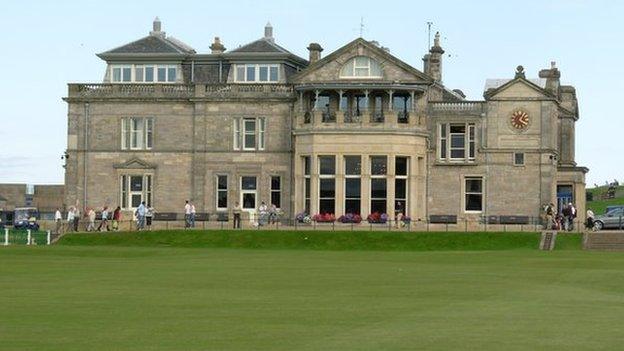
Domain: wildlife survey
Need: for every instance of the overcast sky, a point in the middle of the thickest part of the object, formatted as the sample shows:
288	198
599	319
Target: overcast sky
47	44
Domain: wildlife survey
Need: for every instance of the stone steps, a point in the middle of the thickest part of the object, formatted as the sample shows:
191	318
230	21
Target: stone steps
604	240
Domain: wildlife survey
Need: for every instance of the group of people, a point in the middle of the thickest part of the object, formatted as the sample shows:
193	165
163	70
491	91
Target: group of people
266	215
560	220
74	215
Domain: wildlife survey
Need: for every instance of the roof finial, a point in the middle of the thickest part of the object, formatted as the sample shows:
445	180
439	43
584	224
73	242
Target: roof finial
268	32
436	39
157	27
520	72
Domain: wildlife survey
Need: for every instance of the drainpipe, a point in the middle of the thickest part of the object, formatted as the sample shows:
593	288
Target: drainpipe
86	148
193	71
220	70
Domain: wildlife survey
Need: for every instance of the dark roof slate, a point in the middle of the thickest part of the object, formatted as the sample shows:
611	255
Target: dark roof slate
153	44
262	45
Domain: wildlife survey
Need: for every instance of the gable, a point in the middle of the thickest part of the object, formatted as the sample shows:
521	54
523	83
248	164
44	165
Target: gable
329	68
517	88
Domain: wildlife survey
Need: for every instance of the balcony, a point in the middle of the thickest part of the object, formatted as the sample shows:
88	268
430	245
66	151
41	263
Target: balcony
352	119
180	91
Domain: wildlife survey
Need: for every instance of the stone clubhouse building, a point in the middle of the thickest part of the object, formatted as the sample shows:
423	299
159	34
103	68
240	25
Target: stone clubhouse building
355	131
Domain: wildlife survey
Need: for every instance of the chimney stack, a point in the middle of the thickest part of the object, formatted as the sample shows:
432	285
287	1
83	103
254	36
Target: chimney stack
433	60
217	47
315	52
268	32
157	28
552	76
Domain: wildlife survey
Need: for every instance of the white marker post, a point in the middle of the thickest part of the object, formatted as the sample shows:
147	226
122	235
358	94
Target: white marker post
48	237
6	236
28	239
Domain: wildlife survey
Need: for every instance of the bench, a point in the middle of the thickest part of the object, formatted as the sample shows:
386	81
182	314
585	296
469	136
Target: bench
514	220
443	219
165	216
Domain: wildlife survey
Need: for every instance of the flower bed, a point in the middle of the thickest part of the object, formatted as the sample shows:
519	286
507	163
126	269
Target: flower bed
324	218
303	218
350	218
377	217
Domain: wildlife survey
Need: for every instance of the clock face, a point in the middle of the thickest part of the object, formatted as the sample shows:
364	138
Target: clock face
519	120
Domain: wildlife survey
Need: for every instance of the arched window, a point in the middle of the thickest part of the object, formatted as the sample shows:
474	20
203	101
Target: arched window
361	67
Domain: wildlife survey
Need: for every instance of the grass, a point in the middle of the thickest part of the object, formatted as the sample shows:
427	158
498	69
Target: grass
185	291
599	206
322	240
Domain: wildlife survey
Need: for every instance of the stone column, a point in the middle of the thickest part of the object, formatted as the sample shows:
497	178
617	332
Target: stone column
390	187
314	184
366	117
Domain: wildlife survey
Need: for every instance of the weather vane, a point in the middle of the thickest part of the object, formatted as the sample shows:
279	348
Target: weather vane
429	24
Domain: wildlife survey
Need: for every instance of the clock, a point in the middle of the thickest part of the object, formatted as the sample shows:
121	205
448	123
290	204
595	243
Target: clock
519	120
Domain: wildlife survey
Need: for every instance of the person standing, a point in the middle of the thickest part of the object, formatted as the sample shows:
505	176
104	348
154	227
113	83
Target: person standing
263	214
590	219
272	214
572	216
193	212
58	220
549	212
187	215
140	212
149	215
76	219
91	218
116	218
70	219
236	211
104	222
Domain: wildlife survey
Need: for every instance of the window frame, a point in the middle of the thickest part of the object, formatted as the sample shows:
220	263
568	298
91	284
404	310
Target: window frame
404	177
374	177
326	176
352	176
143	67
275	191
219	190
445	141
253	133
244	68
353	66
144	135
515	159
126	193
466	193
254	192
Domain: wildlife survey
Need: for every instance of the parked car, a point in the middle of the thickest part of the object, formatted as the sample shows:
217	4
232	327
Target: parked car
613	219
26	218
613	207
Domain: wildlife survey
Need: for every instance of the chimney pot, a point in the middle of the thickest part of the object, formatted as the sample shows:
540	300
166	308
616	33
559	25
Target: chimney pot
315	52
268	32
217	47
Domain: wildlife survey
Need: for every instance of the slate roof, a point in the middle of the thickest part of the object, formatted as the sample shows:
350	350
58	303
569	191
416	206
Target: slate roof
152	44
491	83
262	45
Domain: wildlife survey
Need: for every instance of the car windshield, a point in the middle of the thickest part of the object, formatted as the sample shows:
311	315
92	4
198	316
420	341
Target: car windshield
615	213
25	214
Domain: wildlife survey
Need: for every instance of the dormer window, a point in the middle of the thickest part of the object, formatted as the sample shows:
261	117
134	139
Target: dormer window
257	73
361	67
144	73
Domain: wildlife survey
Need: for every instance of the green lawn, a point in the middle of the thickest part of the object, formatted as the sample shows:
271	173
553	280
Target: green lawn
142	297
599	206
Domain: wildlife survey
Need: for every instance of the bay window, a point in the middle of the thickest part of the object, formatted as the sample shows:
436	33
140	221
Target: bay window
378	184
306	183
327	184
401	169
353	184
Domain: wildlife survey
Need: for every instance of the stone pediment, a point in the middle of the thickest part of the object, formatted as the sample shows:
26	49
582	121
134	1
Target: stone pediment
517	88
134	163
328	69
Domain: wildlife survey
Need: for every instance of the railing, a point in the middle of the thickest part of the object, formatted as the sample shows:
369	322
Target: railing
180	91
403	116
470	107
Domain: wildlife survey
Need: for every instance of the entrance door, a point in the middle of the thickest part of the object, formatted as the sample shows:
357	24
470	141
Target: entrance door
249	194
564	196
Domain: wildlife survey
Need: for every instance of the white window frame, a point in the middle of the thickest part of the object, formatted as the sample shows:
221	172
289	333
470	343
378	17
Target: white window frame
465	193
277	191
247	191
261	123
307	183
354	67
220	190
250	132
445	141
377	176
325	176
146	192
256	68
142	67
144	136
351	176
407	188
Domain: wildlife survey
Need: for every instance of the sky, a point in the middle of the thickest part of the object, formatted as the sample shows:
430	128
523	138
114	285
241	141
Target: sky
46	44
